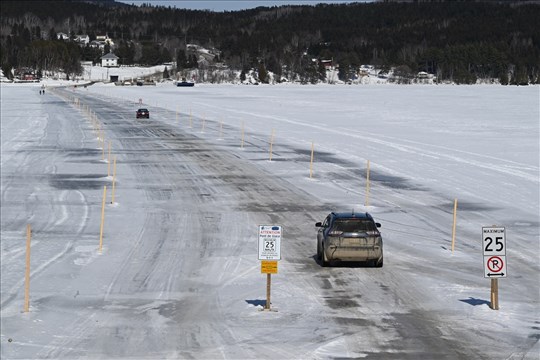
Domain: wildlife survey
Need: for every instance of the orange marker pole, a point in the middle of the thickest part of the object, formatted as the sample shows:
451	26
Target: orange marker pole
454	226
367	184
271	142
102	218
242	145
109	161
27	272
113	180
311	161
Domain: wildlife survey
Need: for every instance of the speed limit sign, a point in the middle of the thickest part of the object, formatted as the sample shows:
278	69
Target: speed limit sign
494	251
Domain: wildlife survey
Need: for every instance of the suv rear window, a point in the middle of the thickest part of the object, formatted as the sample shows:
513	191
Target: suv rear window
354	225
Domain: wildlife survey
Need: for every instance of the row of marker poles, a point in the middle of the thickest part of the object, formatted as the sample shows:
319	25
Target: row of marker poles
203	122
101	138
368	184
95	123
203	125
272	136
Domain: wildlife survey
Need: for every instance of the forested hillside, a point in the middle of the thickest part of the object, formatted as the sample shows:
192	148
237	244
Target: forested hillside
457	41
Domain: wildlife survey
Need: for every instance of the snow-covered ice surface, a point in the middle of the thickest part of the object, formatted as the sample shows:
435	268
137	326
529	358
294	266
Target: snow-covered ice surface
179	277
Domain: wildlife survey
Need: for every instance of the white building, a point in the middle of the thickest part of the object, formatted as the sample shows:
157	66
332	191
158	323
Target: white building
82	39
109	60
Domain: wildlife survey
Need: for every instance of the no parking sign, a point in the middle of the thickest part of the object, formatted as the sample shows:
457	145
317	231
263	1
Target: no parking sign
494	250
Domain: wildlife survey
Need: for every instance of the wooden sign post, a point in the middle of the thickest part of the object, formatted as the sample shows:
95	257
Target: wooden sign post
494	298
268	267
268	291
494	251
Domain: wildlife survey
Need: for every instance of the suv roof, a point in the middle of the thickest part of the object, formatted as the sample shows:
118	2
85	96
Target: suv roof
349	215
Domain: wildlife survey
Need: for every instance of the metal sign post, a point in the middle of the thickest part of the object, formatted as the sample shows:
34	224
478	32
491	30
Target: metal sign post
269	254
494	251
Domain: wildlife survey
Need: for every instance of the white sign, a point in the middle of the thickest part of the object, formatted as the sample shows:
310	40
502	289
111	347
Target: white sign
269	242
494	251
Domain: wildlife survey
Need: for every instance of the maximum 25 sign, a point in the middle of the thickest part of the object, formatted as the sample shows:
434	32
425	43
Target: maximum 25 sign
269	242
494	250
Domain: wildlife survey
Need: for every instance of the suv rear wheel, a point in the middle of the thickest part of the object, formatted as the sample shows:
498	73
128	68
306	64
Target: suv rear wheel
324	260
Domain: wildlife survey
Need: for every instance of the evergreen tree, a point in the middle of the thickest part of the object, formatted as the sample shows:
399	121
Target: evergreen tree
344	69
503	78
262	73
321	70
181	59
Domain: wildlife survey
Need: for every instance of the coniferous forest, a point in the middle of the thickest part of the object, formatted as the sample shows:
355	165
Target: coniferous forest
455	40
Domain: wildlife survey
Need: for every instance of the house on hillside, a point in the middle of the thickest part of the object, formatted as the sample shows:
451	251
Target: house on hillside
62	36
97	44
82	40
105	39
109	60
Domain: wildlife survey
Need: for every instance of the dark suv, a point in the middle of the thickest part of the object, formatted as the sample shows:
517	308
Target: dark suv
349	237
143	113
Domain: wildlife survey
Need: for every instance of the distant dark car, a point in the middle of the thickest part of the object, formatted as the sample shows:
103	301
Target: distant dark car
349	237
185	84
143	113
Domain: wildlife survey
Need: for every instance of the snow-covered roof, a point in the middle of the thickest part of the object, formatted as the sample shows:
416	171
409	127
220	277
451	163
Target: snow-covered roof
109	56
